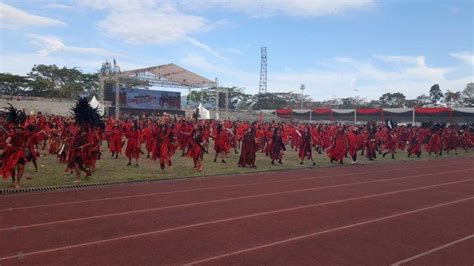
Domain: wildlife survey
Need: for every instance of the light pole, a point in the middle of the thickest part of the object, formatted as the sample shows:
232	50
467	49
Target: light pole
115	74
302	88
217	98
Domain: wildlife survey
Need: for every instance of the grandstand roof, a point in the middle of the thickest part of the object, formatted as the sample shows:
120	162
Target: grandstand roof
169	74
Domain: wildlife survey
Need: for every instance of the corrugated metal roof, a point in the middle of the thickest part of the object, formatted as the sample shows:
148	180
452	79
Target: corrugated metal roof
174	74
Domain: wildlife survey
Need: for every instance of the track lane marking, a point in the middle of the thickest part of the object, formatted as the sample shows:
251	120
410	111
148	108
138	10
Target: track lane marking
208	188
255	215
432	250
17	227
326	231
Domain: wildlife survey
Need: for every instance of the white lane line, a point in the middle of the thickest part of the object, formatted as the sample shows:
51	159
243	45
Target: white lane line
205	189
231	199
326	231
252	216
433	250
227	199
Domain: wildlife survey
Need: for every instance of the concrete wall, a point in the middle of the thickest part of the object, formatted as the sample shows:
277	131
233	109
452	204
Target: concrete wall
37	104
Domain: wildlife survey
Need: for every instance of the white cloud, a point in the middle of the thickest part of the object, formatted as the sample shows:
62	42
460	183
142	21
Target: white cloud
466	57
50	44
305	8
145	22
415	60
21	63
12	18
340	76
122	5
205	48
409	75
59	6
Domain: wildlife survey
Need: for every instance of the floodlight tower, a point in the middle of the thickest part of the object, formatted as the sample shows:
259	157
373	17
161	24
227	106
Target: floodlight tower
302	88
115	74
262	88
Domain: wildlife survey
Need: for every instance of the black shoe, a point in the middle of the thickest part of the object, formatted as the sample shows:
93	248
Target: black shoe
314	163
273	162
280	162
215	160
301	162
393	156
129	163
223	161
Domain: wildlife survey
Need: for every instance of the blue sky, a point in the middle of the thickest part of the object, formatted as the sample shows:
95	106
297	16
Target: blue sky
337	48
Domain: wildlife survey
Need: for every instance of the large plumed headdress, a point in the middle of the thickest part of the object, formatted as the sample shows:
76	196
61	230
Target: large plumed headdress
15	116
86	115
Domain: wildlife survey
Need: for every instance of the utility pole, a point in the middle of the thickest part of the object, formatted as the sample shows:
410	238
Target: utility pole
217	97
115	73
262	88
227	102
302	88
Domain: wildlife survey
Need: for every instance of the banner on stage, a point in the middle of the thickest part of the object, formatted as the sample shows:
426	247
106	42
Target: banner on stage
148	99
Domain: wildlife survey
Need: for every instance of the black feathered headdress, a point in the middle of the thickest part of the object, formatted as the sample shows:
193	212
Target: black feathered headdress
15	116
391	124
86	115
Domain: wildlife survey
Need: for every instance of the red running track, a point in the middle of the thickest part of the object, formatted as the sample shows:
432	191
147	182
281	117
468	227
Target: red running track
404	213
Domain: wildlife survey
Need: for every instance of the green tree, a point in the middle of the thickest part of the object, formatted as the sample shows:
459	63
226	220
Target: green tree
236	96
51	81
352	102
435	94
268	101
468	94
195	97
90	84
392	100
453	98
13	85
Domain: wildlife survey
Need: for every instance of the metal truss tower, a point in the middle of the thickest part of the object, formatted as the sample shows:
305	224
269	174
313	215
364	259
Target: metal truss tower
262	88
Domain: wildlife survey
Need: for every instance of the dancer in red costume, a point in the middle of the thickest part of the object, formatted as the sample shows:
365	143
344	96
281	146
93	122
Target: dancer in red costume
196	148
249	148
390	144
221	143
275	148
415	139
352	143
80	151
162	148
132	151
305	146
435	144
115	141
370	144
54	138
148	137
33	140
337	150
14	157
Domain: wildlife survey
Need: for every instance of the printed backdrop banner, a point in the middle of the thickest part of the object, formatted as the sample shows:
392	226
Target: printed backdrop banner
150	99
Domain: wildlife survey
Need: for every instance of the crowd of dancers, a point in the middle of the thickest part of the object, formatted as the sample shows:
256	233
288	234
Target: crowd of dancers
80	140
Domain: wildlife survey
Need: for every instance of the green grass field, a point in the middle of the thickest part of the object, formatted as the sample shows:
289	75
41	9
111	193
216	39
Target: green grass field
51	172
